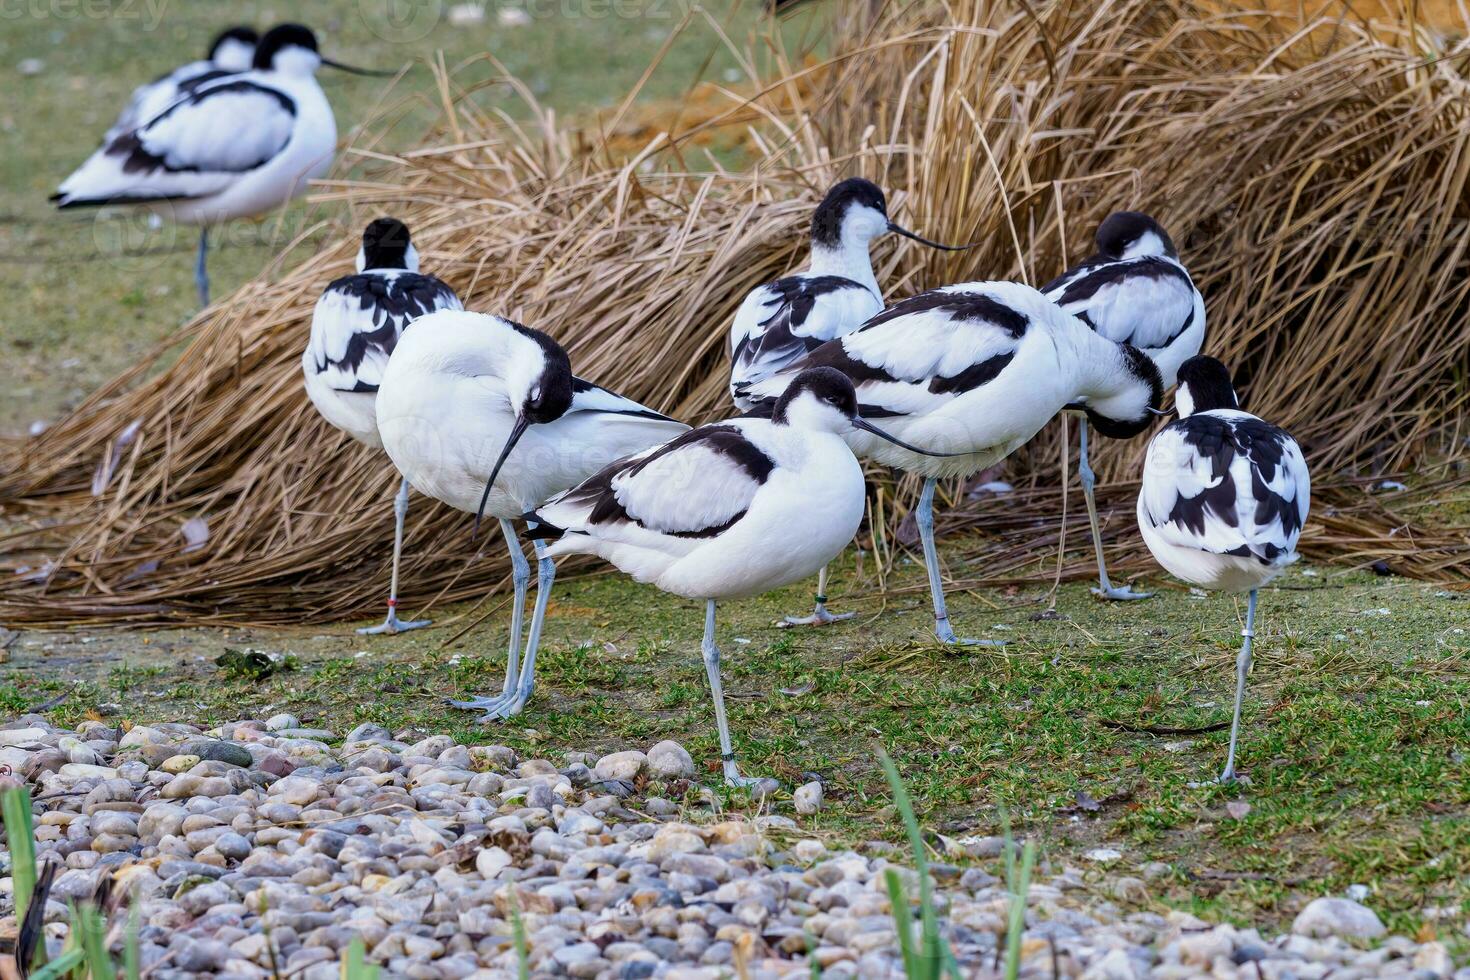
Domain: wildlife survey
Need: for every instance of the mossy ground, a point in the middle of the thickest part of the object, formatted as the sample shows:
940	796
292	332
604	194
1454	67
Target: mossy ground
1355	741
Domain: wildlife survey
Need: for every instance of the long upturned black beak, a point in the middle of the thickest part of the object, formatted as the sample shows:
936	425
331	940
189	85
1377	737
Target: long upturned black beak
866	426
517	430
357	71
901	230
1162	412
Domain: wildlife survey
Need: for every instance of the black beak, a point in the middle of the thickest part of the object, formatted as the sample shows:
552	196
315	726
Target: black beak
357	71
866	426
901	230
518	430
1161	412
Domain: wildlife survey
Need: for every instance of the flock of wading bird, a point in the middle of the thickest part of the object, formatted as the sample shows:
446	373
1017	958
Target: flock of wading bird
485	414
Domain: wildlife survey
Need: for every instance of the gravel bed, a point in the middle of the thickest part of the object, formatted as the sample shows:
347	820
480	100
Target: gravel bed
265	840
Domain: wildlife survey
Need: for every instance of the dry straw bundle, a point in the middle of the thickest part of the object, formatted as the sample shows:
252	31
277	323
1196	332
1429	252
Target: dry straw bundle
1314	177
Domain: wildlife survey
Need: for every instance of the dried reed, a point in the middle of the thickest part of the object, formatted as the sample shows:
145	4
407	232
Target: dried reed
1314	177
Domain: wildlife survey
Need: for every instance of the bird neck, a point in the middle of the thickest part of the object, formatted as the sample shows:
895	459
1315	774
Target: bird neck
1100	369
850	260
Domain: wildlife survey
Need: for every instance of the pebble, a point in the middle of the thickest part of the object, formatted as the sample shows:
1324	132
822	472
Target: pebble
669	760
422	846
1337	917
808	798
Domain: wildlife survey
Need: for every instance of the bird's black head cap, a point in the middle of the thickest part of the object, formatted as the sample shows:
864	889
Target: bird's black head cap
282	36
551	395
240	33
1206	384
827	219
827	385
385	244
1121	229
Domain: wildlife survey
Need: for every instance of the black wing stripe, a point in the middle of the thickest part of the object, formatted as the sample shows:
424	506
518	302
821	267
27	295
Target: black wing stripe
958	305
723	440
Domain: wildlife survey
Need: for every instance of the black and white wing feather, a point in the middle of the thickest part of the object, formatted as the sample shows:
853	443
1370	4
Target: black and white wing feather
783	321
198	146
359	319
154	97
589	397
1148	301
694	486
920	353
1228	483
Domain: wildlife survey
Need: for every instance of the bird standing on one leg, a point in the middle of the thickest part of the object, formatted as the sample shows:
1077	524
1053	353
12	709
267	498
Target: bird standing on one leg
231	52
726	510
484	414
233	146
356	326
977	369
1223	501
782	321
1133	290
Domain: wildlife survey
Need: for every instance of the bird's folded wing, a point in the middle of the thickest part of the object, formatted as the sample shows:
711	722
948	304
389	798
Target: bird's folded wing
783	320
196	147
589	397
693	486
1227	486
359	318
1146	302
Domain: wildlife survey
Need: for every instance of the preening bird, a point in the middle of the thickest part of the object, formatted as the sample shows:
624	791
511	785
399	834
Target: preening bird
232	51
726	510
977	369
1133	290
484	414
356	326
783	321
1223	500
231	147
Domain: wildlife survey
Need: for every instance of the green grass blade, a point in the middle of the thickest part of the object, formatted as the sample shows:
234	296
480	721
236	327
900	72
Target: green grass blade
59	967
898	902
1016	924
354	962
932	945
20	840
90	929
518	936
132	969
815	971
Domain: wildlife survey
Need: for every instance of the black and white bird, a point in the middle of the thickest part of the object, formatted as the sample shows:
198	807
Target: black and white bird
356	326
978	369
726	510
232	51
485	415
231	147
1223	500
783	321
1133	290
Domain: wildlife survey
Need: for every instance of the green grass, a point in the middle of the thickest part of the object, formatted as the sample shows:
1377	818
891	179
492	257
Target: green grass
1355	736
87	293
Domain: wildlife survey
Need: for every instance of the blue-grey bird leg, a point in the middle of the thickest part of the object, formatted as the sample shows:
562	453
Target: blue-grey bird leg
712	668
201	273
515	703
393	624
820	616
521	577
1242	668
924	517
1105	588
